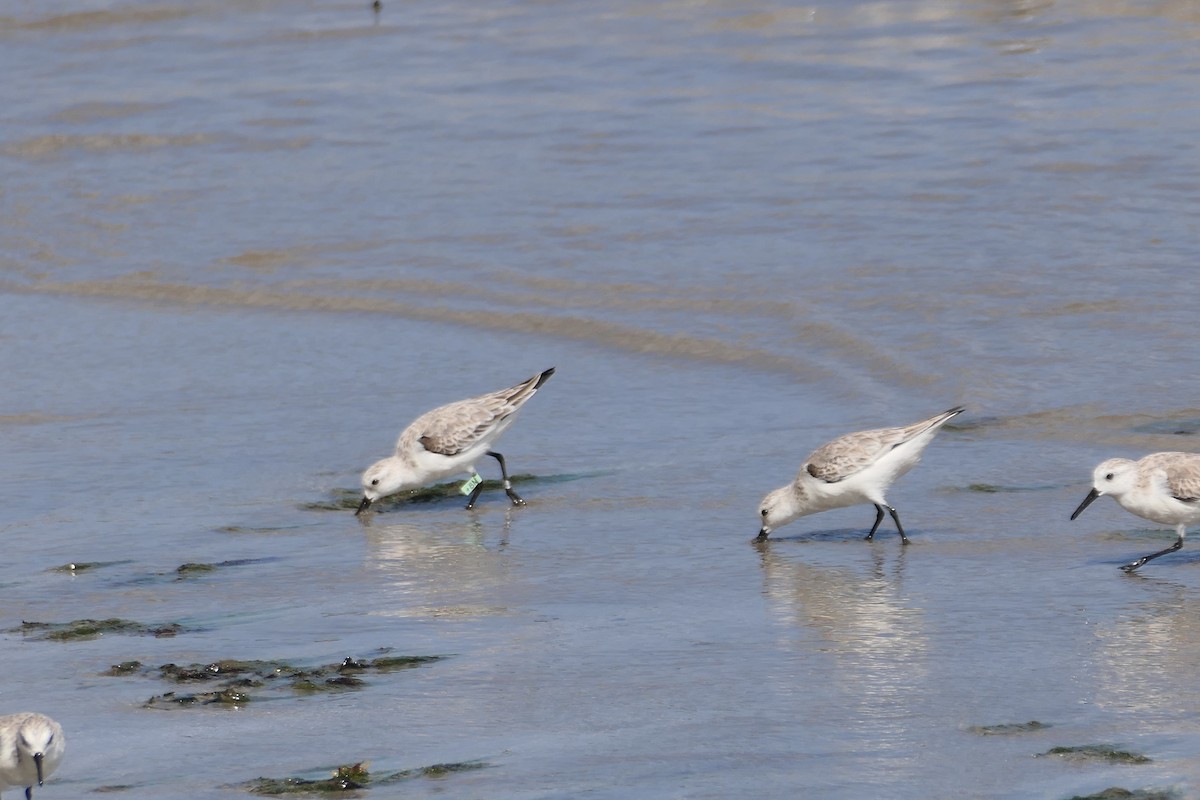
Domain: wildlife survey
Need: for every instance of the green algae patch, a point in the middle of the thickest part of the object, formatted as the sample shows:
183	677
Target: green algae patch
433	771
308	685
354	777
1008	728
347	778
226	669
228	697
445	770
93	628
1119	793
387	663
1098	752
236	681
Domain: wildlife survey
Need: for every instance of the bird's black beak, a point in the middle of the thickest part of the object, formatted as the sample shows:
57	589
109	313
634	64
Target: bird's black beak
1087	501
762	535
363	506
37	759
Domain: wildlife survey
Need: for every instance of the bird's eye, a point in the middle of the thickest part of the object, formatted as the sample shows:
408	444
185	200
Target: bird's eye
764	512
375	482
1108	477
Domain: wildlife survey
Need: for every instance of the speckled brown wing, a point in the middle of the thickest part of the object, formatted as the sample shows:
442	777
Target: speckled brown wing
1183	475
453	428
851	453
854	452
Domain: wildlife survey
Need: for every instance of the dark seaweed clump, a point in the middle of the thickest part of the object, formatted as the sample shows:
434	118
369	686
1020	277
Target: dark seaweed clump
348	499
1118	793
124	668
1171	427
352	777
92	628
227	696
1008	729
193	568
432	771
344	779
993	488
84	566
234	678
1098	752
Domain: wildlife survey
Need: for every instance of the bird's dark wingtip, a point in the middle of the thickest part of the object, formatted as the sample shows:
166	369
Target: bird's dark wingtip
545	376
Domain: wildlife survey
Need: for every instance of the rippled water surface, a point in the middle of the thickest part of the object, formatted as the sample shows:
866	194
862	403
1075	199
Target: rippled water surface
243	244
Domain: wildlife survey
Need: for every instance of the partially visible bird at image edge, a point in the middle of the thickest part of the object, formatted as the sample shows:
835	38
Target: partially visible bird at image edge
31	747
1160	487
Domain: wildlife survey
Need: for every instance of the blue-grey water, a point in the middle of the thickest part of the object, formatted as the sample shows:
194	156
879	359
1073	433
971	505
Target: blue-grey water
243	244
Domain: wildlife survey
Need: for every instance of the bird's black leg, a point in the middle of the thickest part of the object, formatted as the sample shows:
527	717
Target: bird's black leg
896	519
1131	567
878	519
474	495
516	498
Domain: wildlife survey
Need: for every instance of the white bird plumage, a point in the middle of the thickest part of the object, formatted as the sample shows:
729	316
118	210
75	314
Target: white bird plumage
852	469
448	441
1160	487
31	747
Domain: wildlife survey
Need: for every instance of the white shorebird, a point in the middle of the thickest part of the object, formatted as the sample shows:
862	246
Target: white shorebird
448	441
31	747
1161	487
852	469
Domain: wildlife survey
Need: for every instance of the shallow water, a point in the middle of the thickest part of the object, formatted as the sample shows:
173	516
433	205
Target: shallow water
243	245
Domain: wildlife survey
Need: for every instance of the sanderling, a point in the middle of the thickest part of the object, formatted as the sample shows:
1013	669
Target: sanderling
448	441
1161	487
31	746
852	469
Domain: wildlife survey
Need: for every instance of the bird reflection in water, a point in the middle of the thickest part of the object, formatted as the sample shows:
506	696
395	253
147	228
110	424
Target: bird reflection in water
862	641
1141	652
444	570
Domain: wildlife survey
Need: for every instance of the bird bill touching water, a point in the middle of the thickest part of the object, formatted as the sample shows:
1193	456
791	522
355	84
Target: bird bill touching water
448	441
31	747
1161	487
852	469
